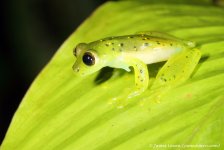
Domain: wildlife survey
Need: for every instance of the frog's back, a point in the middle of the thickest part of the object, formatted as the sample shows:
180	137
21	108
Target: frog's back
147	48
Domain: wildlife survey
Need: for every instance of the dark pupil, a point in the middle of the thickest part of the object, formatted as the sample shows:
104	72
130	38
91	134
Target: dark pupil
88	59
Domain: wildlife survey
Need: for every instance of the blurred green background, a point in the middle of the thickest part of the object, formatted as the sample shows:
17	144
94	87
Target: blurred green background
31	32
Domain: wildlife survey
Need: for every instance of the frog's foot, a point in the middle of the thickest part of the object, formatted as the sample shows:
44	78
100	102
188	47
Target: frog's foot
135	93
125	98
118	102
154	96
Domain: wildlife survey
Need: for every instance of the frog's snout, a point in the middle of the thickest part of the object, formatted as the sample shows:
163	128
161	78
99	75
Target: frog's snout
76	69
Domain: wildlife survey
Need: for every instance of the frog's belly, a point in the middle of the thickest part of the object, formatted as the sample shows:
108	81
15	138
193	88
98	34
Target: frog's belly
153	55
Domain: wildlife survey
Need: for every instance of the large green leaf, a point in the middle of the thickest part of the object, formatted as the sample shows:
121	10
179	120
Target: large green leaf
62	111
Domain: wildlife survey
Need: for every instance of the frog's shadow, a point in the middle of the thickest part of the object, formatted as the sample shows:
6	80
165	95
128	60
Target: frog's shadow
202	60
106	73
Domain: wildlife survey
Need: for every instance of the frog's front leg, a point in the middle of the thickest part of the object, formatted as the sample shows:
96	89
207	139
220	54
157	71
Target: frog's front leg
141	76
141	83
178	68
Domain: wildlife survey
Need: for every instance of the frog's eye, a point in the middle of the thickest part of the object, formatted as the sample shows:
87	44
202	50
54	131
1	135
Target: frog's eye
88	59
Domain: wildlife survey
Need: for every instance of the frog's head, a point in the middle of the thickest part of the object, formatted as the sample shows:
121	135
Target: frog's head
87	61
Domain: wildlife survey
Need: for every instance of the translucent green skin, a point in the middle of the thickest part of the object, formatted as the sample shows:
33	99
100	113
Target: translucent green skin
137	51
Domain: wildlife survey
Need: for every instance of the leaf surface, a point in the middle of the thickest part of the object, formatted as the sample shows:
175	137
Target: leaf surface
62	111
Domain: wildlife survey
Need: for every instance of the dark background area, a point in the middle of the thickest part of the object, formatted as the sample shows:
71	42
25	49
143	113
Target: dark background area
31	32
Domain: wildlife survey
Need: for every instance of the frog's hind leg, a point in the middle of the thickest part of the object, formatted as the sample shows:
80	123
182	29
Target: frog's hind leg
178	68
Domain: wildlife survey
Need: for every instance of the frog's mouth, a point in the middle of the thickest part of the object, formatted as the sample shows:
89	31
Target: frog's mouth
83	70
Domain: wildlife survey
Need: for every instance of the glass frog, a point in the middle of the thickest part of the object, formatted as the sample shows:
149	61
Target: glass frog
138	50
